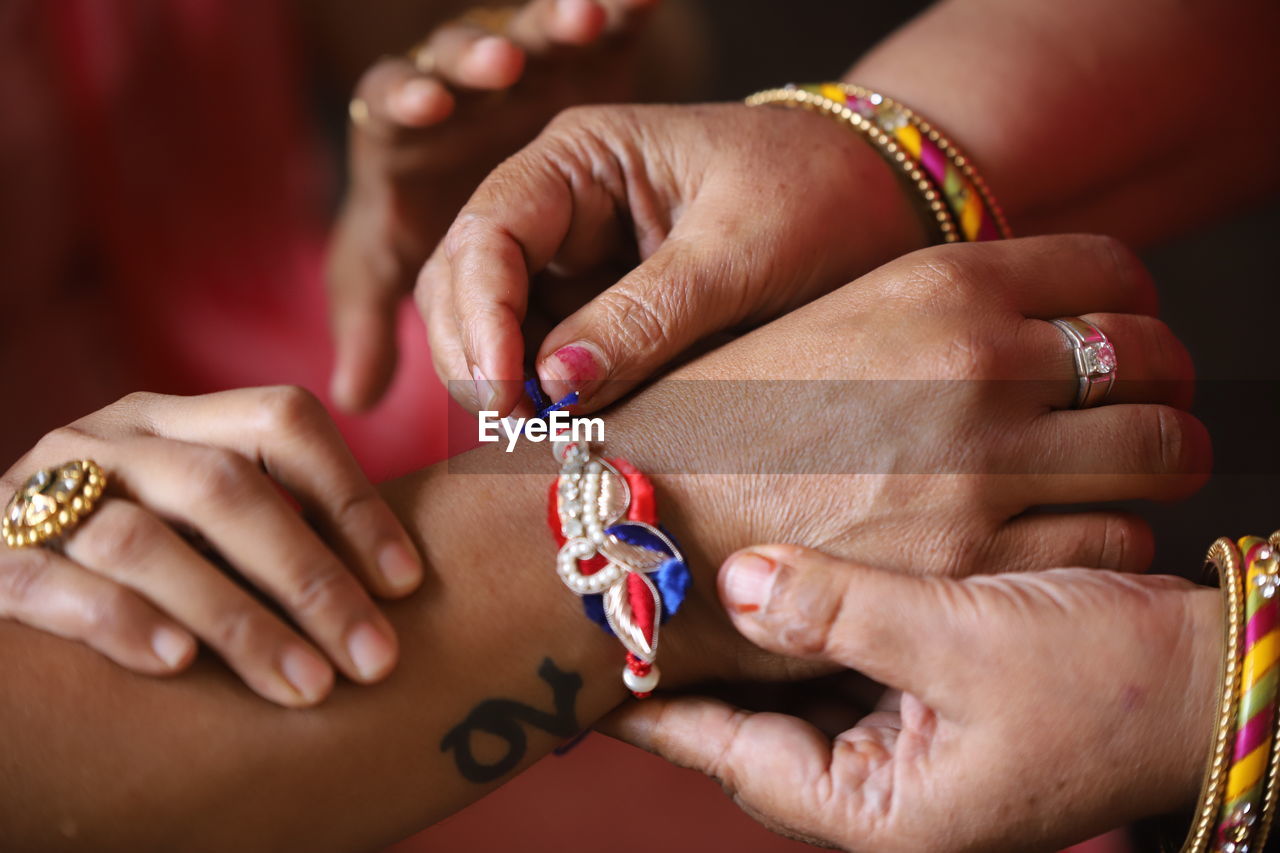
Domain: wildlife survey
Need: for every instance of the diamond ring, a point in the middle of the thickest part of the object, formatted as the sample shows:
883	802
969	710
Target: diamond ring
1095	360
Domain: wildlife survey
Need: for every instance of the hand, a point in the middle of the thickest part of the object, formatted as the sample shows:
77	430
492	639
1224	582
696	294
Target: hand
910	419
1038	709
428	137
738	215
130	581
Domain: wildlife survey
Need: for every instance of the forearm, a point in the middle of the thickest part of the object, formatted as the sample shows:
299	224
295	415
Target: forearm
1137	119
96	755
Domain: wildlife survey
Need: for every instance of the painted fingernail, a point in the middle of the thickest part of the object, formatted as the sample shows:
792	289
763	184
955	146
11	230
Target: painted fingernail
371	651
171	646
486	393
576	365
400	567
308	674
748	581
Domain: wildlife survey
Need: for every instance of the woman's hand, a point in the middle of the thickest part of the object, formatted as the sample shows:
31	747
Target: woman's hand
738	215
425	136
909	420
1038	709
135	580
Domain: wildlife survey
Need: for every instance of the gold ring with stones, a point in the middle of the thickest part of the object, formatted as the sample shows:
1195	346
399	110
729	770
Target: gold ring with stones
52	502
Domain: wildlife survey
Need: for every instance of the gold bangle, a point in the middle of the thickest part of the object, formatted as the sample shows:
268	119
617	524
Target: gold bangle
1223	557
886	144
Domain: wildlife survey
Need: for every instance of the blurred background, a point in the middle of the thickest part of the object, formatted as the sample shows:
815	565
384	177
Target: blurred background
168	174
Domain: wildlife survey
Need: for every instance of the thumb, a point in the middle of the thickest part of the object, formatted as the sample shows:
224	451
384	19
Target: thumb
630	331
895	628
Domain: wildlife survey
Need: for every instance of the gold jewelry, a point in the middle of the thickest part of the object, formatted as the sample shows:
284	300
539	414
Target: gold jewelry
52	502
1223	556
358	110
878	136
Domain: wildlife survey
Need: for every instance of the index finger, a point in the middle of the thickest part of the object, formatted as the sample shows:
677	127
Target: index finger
287	430
511	228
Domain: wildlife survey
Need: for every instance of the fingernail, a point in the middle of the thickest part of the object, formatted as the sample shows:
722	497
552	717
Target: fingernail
307	673
400	568
569	11
413	98
171	646
486	394
576	366
488	47
370	651
748	581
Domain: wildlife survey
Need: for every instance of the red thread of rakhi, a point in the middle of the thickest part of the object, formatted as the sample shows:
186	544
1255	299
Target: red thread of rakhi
641	508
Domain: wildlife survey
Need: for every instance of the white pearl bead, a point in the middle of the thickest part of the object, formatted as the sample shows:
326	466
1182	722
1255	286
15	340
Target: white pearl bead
641	683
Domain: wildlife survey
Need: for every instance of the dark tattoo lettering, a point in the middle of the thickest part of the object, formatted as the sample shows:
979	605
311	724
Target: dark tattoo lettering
503	718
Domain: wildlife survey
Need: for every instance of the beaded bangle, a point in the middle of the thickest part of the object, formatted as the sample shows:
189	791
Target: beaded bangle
1251	775
629	571
955	193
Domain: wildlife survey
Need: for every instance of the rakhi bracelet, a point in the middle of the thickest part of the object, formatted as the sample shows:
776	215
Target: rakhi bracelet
1249	800
628	570
957	197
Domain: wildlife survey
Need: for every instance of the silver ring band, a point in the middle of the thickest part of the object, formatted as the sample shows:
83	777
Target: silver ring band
1095	360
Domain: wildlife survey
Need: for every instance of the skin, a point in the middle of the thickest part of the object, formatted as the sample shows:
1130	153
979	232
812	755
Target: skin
1110	721
478	633
431	135
218	467
736	215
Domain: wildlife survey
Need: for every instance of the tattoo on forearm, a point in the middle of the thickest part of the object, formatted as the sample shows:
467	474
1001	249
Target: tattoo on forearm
503	718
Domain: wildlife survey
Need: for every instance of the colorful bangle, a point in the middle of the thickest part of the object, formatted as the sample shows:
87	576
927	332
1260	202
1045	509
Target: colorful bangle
1250	779
629	571
954	192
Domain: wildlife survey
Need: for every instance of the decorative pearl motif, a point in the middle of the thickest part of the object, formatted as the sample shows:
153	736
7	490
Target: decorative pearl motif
641	683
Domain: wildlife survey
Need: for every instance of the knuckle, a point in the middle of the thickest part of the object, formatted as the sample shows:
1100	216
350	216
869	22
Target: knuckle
287	409
1123	543
321	590
635	317
219	477
19	583
108	612
574	117
963	555
239	628
119	538
60	442
1162	433
940	271
138	399
468	229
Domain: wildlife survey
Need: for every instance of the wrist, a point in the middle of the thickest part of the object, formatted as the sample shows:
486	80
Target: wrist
871	201
1197	715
